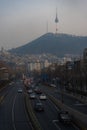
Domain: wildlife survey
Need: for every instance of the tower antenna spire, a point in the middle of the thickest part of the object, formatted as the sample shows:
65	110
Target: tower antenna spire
47	26
56	21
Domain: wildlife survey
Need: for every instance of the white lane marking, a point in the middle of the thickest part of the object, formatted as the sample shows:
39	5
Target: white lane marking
76	127
54	121
54	105
27	114
14	127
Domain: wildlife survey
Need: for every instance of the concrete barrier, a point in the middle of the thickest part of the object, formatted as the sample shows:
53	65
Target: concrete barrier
1	98
34	120
79	118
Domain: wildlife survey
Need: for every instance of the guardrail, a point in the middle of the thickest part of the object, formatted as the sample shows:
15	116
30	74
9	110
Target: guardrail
79	118
31	114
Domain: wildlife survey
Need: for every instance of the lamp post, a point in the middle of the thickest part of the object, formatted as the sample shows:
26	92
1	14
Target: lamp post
62	84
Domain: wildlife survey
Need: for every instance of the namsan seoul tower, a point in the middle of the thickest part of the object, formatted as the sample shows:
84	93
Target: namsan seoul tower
56	21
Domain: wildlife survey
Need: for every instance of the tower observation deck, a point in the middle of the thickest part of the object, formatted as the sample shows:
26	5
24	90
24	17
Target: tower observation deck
56	21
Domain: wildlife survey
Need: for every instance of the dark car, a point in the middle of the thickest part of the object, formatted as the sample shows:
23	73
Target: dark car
39	106
38	91
64	117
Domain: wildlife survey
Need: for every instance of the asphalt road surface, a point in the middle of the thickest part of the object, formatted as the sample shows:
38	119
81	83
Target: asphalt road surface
68	100
13	114
49	117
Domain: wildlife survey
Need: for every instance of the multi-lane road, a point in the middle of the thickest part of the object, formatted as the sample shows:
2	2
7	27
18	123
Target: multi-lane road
49	117
13	115
70	101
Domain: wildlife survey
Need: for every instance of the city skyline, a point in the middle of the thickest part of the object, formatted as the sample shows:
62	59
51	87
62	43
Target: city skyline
23	21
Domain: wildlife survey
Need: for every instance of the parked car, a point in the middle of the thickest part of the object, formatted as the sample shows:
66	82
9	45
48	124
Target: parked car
64	117
39	106
43	97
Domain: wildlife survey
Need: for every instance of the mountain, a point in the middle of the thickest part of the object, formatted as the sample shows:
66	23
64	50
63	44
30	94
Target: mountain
57	44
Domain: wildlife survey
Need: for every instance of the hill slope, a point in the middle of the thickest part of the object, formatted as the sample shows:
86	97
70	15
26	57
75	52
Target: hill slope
55	44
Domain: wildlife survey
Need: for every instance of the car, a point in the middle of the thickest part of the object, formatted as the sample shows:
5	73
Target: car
35	89
32	96
64	117
11	83
53	85
30	91
20	90
43	97
38	91
39	106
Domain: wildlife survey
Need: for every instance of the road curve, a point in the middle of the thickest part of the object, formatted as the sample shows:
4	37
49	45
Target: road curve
12	110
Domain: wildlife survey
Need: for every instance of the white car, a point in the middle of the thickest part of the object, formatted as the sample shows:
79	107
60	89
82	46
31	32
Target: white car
43	97
53	85
32	96
19	90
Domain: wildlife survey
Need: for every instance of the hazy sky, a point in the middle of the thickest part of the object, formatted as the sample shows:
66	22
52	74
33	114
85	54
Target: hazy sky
22	21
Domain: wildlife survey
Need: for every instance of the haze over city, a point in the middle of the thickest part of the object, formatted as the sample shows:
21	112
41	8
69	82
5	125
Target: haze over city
22	21
43	64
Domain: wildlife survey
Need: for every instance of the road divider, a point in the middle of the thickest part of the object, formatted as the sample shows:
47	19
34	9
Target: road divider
79	118
1	98
31	114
